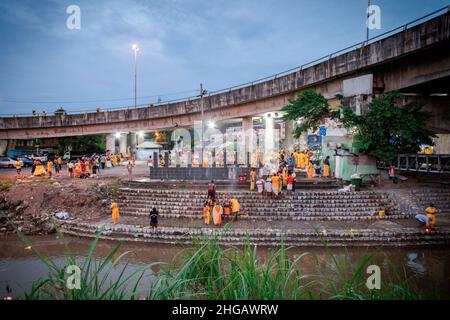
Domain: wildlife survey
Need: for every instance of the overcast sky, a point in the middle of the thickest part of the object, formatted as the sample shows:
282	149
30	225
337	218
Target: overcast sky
44	65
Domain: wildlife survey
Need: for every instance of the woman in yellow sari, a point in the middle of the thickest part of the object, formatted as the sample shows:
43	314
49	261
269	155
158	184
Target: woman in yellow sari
326	167
206	213
40	170
310	170
114	160
217	214
285	175
115	212
252	179
121	159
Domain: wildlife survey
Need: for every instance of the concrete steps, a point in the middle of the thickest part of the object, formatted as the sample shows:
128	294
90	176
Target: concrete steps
263	237
440	197
323	205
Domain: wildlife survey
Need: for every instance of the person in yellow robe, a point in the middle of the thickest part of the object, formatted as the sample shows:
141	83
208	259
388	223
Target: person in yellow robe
207	213
280	182
285	175
235	207
302	160
326	167
115	212
18	167
87	165
59	162
121	159
40	170
252	179
275	185
297	158
217	214
78	169
310	170
49	168
431	214
114	160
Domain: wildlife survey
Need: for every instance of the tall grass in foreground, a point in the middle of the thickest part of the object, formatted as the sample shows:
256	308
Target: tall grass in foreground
209	271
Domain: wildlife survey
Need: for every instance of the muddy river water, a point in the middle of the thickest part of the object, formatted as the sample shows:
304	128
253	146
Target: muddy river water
19	266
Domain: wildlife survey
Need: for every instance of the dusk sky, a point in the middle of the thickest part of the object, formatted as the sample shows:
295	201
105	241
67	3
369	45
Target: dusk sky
44	65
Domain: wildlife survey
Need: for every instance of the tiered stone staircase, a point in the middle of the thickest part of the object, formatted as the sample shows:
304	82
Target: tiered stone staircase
320	205
262	237
312	218
440	197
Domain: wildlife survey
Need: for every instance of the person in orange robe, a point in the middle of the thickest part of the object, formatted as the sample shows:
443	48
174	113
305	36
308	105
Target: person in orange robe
310	170
115	212
275	185
431	214
326	167
217	214
207	213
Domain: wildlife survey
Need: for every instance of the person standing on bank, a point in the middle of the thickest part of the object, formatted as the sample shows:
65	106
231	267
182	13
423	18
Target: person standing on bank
154	219
130	171
326	167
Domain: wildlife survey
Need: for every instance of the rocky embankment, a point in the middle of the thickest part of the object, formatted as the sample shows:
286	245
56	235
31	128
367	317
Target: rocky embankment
30	205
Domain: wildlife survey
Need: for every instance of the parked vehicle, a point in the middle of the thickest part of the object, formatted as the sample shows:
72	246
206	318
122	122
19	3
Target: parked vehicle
69	156
41	158
6	162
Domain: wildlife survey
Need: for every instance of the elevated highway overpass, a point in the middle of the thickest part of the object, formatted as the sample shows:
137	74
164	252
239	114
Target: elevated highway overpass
408	59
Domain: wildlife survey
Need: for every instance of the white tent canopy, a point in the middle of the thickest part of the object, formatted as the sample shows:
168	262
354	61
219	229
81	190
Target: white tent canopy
148	145
146	149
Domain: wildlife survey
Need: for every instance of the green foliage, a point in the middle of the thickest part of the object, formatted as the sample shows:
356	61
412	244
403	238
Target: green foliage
60	111
83	144
310	108
389	129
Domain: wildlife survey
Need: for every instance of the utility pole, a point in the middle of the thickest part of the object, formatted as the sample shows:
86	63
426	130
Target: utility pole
367	22
135	49
202	92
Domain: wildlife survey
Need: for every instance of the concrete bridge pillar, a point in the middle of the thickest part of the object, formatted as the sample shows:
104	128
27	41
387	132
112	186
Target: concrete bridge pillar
247	131
132	145
123	143
111	142
269	138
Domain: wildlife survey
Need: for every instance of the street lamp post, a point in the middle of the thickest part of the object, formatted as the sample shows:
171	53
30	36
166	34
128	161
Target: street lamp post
202	93
136	50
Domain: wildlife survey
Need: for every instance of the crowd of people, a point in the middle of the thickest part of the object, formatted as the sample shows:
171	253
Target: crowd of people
85	167
216	210
283	176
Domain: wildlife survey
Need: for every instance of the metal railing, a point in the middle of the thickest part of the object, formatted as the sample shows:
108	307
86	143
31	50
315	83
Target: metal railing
329	56
430	163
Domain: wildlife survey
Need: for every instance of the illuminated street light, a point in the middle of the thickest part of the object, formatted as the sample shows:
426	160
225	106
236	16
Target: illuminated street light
117	135
136	50
141	134
211	125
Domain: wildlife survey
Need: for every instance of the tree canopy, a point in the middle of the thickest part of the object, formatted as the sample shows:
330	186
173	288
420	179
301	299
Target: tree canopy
310	108
389	129
83	144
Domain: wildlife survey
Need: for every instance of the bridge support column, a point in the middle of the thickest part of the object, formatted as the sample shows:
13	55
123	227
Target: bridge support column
111	142
132	146
123	144
247	131
269	139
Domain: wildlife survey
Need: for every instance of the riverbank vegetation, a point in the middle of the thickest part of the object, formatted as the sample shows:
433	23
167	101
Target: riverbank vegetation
210	271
